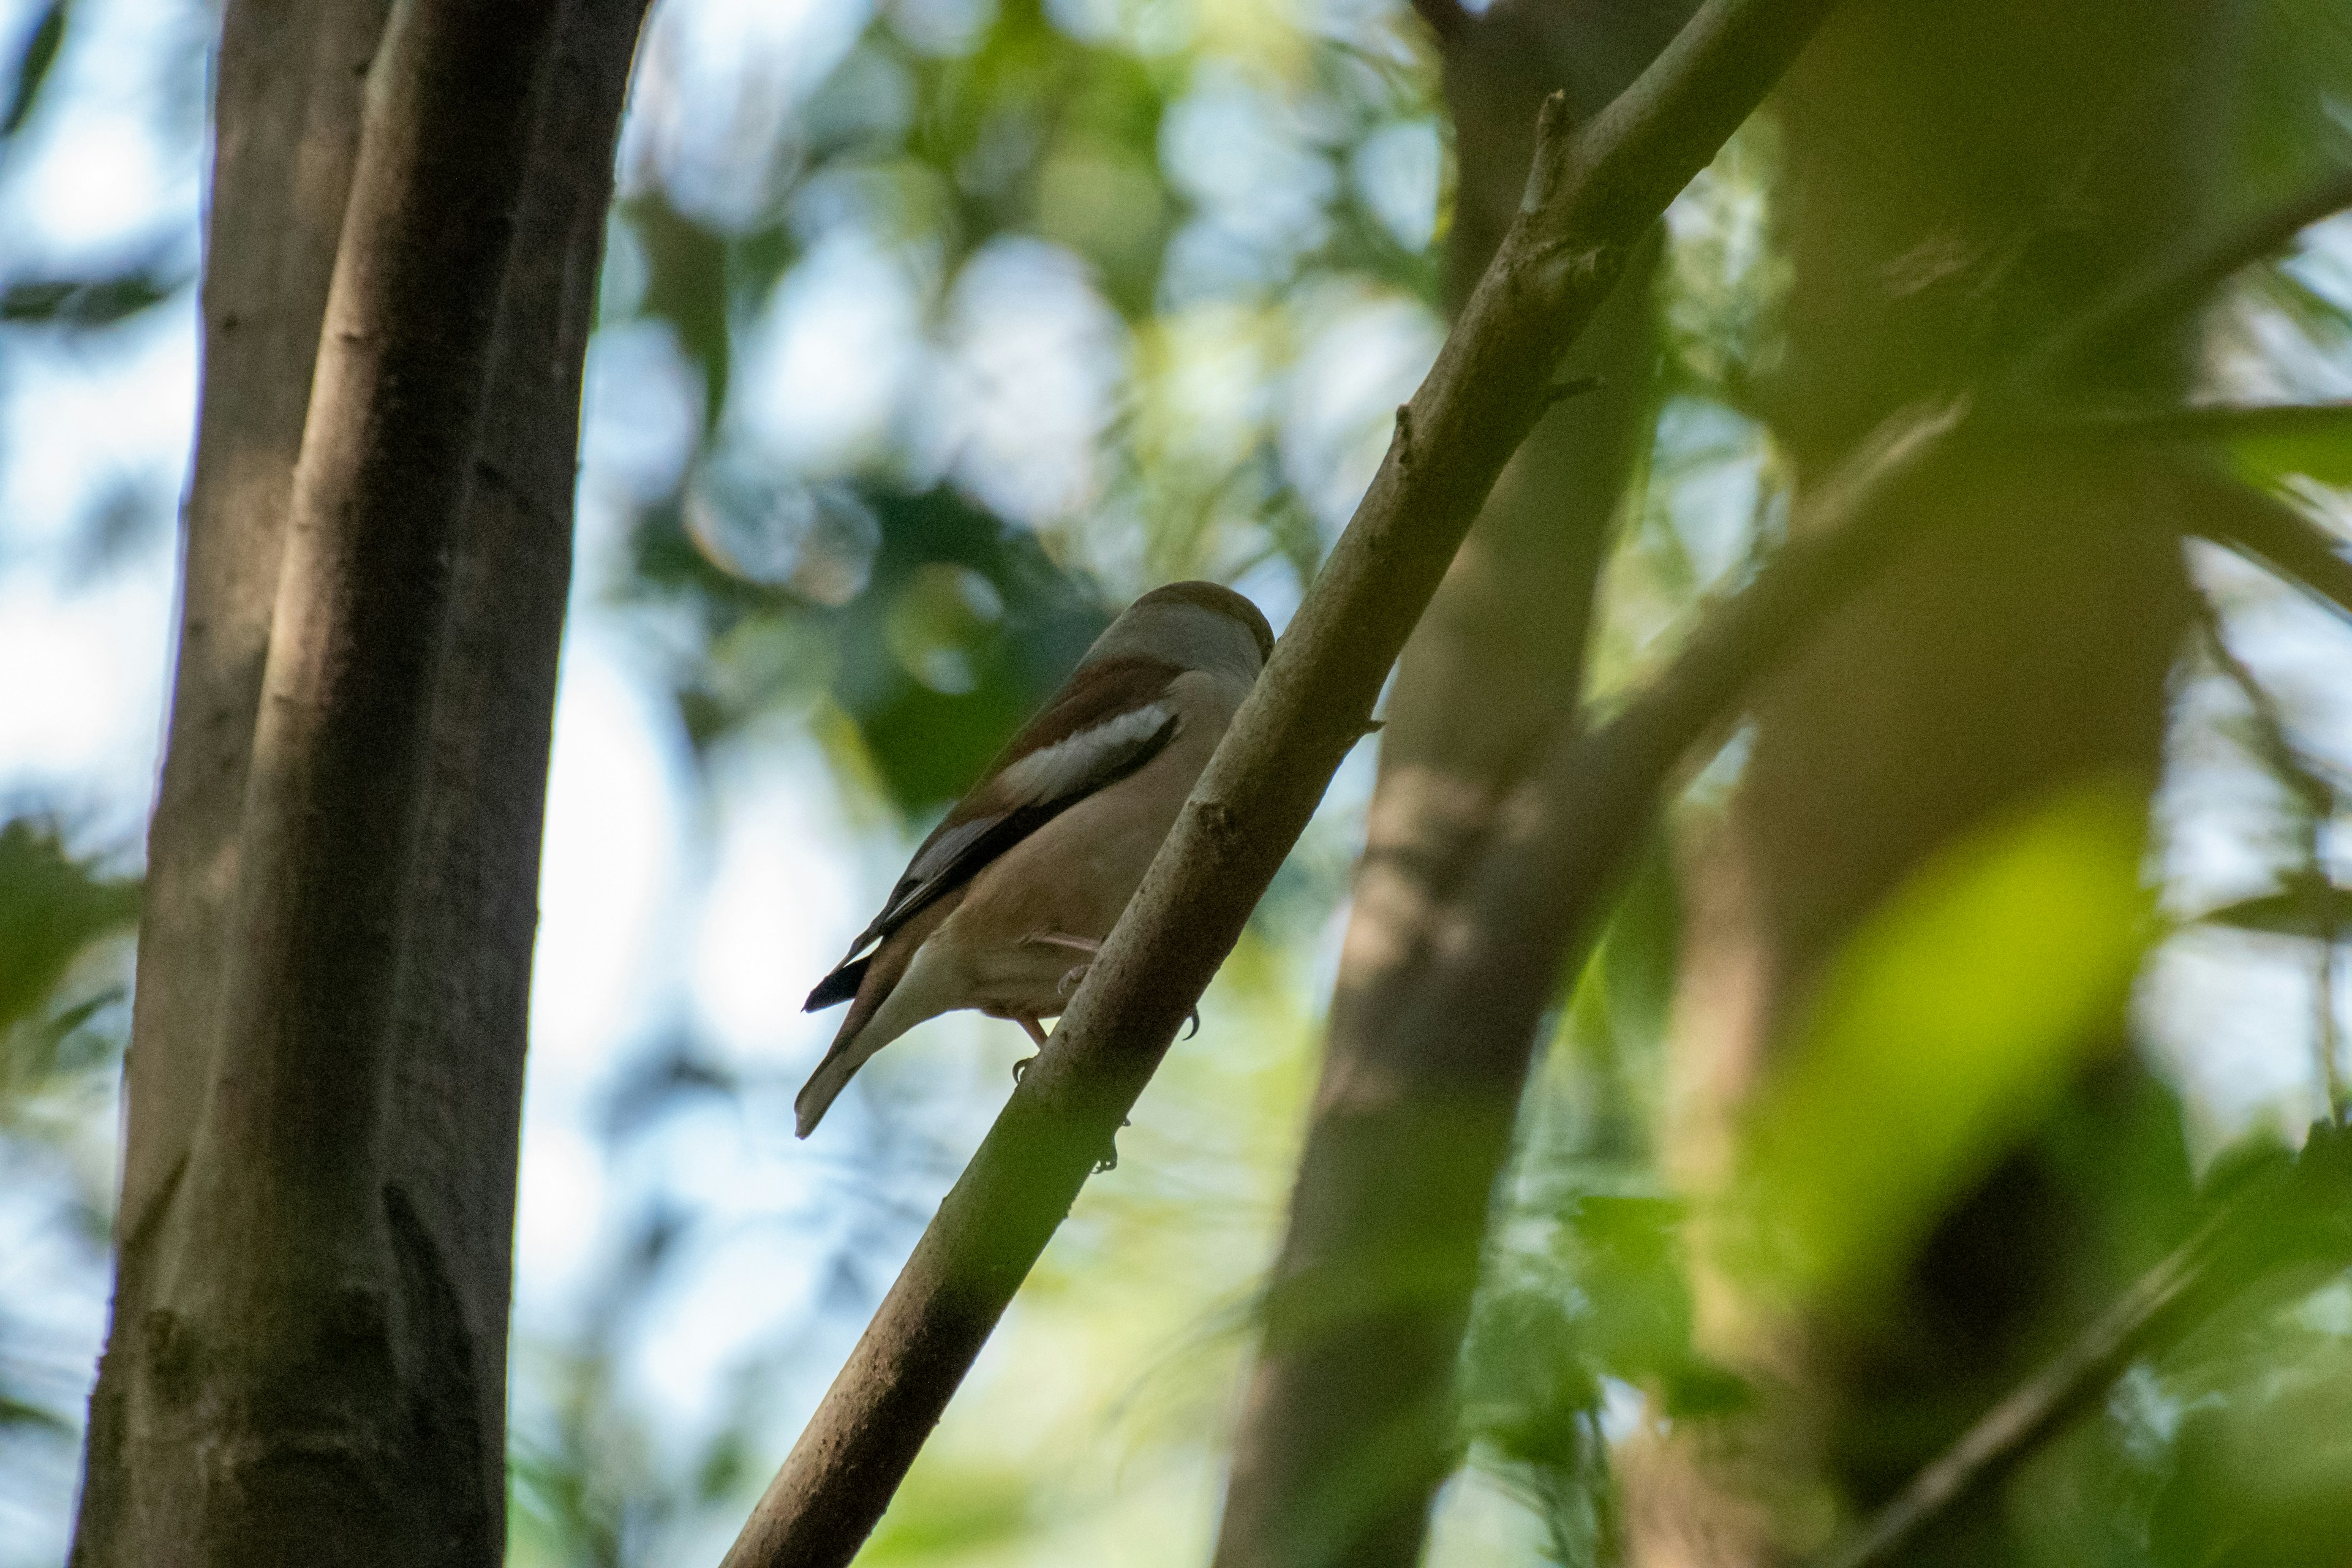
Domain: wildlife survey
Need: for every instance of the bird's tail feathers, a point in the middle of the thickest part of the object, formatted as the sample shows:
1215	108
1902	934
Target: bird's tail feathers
890	1002
831	1076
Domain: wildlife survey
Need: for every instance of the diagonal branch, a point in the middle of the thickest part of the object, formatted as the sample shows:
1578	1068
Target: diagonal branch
2180	284
1581	818
2280	1218
1591	197
2036	1408
2263	526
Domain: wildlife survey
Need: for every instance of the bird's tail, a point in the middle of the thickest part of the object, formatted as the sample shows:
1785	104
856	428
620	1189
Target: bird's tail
897	992
831	1076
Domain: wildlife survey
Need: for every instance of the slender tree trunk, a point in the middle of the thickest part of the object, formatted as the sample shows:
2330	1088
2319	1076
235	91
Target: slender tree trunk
1958	182
285	119
1347	1427
307	1362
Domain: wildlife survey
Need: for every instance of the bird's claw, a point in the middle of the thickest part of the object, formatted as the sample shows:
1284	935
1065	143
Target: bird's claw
1191	1024
1021	1067
1072	980
1108	1159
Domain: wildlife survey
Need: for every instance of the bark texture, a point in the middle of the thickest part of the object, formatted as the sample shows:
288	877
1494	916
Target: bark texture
1591	199
1345	1428
307	1361
286	128
1960	185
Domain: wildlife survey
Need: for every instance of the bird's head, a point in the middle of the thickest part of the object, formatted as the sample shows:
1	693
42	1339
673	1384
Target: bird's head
1196	625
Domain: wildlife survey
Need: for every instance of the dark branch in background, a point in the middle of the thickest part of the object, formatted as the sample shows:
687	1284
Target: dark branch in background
1424	1132
1445	18
2211	425
2183	284
1591	199
2284	1215
1346	1427
2267	529
2010	1429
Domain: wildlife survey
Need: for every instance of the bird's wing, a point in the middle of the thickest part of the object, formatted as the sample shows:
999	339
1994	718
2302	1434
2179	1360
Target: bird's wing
1112	718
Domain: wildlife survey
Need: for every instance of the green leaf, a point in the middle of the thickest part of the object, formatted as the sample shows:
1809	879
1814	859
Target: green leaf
2294	911
40	54
86	302
51	907
1954	1017
2263	443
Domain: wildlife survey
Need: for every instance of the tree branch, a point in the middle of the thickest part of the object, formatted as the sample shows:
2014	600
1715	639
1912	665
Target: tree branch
1446	19
1591	198
2181	283
1406	1143
285	123
2014	1427
2267	529
2210	425
2282	1216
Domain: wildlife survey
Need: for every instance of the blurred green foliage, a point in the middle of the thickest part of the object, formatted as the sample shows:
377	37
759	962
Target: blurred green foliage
1949	1025
64	1016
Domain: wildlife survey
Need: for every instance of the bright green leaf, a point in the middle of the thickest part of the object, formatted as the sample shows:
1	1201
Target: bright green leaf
1955	1015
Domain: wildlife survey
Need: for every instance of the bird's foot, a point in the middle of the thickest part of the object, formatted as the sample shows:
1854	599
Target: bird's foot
1071	981
1036	1030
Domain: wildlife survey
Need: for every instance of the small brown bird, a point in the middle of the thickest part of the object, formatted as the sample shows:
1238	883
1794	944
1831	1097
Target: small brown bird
1008	901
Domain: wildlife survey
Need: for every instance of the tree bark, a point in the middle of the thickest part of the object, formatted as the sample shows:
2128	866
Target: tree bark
1589	201
307	1362
286	121
1961	186
1346	1429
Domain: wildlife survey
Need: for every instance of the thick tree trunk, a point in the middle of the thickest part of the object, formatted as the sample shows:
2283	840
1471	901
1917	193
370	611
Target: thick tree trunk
1958	181
307	1361
1347	1427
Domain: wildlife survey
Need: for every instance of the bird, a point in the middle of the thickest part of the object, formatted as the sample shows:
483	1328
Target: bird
1005	906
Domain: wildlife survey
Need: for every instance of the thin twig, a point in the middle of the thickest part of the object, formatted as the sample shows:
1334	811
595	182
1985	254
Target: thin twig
2035	1408
2278	1218
1593	195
